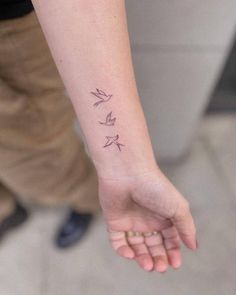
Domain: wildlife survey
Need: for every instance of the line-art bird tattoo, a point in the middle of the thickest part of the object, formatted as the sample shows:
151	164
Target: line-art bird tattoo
113	140
103	97
109	120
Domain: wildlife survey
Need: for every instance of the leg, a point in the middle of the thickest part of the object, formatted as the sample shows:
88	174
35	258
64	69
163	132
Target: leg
7	202
42	159
12	214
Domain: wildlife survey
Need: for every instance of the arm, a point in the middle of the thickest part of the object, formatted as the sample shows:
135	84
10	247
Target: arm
90	44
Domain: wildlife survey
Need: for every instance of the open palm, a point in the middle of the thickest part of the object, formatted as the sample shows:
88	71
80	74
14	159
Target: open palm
151	205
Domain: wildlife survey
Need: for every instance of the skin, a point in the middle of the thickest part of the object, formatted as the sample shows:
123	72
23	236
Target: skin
147	202
90	44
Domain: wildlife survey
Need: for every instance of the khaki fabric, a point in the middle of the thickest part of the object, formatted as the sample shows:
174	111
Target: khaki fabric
42	159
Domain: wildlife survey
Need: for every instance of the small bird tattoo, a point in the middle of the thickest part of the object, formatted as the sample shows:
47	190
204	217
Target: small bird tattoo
113	140
103	97
109	120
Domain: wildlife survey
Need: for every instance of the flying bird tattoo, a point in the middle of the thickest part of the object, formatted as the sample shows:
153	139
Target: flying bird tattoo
109	120
103	97
113	140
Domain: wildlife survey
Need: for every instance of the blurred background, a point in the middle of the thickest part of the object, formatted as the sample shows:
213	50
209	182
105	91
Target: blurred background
184	54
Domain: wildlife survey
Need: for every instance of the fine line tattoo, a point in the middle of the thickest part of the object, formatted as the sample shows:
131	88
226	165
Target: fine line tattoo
103	97
109	120
113	140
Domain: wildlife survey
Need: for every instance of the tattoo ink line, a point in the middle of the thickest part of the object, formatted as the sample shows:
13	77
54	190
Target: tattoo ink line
103	97
109	120
113	140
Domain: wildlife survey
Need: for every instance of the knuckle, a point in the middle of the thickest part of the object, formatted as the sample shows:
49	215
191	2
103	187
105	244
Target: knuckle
182	210
186	206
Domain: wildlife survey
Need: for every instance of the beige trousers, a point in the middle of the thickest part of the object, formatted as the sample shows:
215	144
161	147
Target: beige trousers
42	159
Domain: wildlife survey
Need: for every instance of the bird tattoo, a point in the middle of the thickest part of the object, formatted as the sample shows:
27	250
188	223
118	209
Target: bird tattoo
109	120
103	97
113	140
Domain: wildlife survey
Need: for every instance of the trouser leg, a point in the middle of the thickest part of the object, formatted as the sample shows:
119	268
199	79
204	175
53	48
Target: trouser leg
42	159
7	202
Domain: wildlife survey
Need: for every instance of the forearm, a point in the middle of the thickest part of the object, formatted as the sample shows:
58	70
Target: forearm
90	45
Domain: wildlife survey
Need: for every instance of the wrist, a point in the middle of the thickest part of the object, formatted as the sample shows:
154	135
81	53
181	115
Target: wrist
114	170
135	158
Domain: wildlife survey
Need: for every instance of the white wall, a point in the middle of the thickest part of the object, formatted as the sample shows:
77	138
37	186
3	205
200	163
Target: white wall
178	49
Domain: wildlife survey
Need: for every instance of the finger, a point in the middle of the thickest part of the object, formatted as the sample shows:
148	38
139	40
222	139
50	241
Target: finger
120	245
142	255
185	226
157	251
172	245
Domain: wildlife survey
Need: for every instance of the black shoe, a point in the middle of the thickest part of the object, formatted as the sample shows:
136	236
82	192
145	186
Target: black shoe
73	229
19	216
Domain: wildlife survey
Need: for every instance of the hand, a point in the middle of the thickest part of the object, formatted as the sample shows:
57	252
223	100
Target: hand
147	203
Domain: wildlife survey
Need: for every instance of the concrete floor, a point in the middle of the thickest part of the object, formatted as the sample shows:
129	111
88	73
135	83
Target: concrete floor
31	265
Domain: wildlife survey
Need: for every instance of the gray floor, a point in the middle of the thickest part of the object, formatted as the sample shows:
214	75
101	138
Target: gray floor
30	265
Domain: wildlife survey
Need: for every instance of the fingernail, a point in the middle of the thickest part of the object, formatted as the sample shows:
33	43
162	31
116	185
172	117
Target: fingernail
148	267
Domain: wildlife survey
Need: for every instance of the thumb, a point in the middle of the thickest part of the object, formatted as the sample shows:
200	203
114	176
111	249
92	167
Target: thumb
183	221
